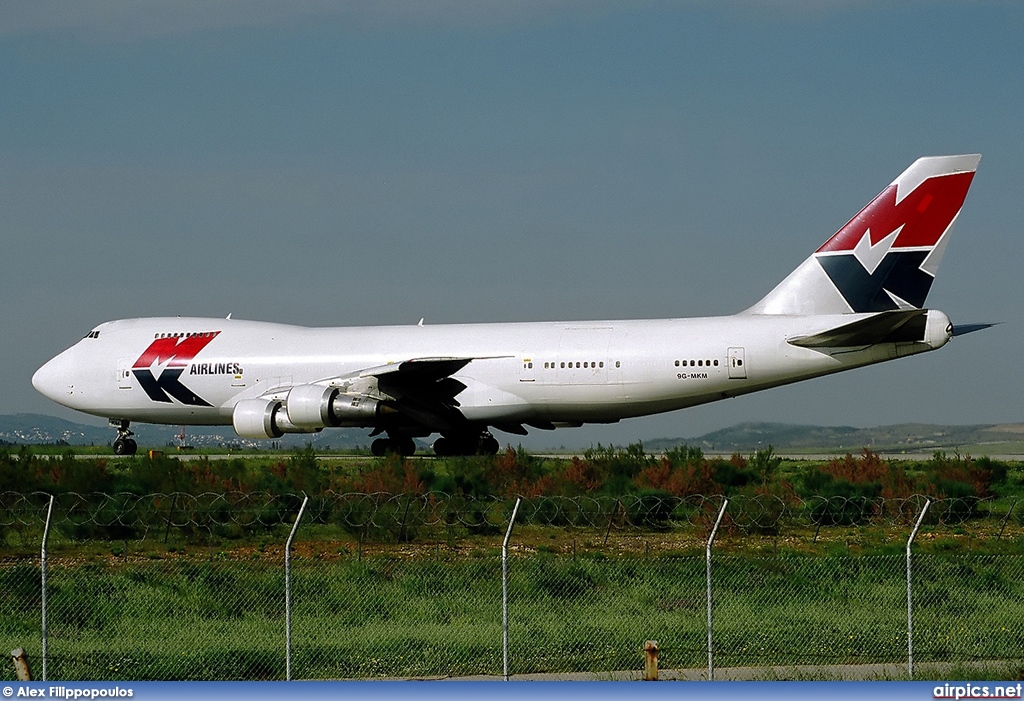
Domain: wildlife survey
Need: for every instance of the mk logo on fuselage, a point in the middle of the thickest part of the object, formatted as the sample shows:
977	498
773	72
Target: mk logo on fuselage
173	354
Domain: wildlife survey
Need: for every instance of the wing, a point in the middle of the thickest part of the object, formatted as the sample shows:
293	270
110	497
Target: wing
420	391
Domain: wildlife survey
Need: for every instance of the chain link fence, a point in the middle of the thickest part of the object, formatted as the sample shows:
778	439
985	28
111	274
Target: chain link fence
411	586
408	517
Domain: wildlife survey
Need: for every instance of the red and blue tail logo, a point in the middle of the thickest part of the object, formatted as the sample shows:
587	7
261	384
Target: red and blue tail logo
886	257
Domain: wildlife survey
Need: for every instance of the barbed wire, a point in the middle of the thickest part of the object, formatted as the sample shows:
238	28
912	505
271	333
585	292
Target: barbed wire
403	513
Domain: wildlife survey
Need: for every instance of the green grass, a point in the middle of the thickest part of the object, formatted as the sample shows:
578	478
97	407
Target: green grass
186	618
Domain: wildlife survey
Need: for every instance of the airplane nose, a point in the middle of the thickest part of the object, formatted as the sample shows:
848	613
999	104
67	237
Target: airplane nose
53	381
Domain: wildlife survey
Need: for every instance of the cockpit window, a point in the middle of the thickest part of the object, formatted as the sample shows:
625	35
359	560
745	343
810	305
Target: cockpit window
93	334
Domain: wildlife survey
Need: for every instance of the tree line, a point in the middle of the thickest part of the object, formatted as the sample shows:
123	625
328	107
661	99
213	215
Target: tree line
601	470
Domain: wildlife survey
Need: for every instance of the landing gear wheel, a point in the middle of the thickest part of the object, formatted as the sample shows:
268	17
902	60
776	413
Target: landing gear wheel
404	446
125	446
467	444
457	445
442	447
401	445
489	445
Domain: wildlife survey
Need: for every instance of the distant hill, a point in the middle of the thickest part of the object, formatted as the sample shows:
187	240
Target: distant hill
747	437
744	438
42	429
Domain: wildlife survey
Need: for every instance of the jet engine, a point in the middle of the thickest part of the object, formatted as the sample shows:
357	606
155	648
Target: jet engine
315	406
305	409
264	418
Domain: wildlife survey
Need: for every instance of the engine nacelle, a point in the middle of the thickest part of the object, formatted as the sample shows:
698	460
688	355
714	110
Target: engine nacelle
315	406
310	405
264	418
358	409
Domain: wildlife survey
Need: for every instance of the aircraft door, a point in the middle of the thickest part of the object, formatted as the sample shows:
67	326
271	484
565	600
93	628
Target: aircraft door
124	373
737	367
527	369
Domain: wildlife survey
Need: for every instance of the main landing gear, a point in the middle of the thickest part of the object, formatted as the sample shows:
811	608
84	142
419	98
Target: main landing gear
402	445
124	444
481	444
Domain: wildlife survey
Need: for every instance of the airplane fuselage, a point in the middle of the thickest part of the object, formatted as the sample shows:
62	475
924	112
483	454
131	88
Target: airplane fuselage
557	372
858	299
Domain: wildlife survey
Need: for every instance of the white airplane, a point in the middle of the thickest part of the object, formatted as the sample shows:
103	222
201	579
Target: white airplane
855	301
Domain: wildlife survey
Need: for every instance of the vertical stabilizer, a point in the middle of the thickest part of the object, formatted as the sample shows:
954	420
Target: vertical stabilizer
886	257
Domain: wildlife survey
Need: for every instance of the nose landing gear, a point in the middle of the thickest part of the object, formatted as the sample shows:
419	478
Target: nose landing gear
124	444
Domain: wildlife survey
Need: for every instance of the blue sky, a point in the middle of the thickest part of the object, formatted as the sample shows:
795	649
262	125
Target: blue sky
324	163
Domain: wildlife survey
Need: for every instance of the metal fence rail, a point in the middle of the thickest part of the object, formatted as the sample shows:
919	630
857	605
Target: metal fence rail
196	613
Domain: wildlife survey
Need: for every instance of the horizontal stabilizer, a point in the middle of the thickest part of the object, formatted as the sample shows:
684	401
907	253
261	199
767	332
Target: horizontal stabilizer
905	326
964	329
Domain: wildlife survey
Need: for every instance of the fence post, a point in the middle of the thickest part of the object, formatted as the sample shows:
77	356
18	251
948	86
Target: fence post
504	590
651	661
288	591
910	601
711	647
1002	526
21	670
42	564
